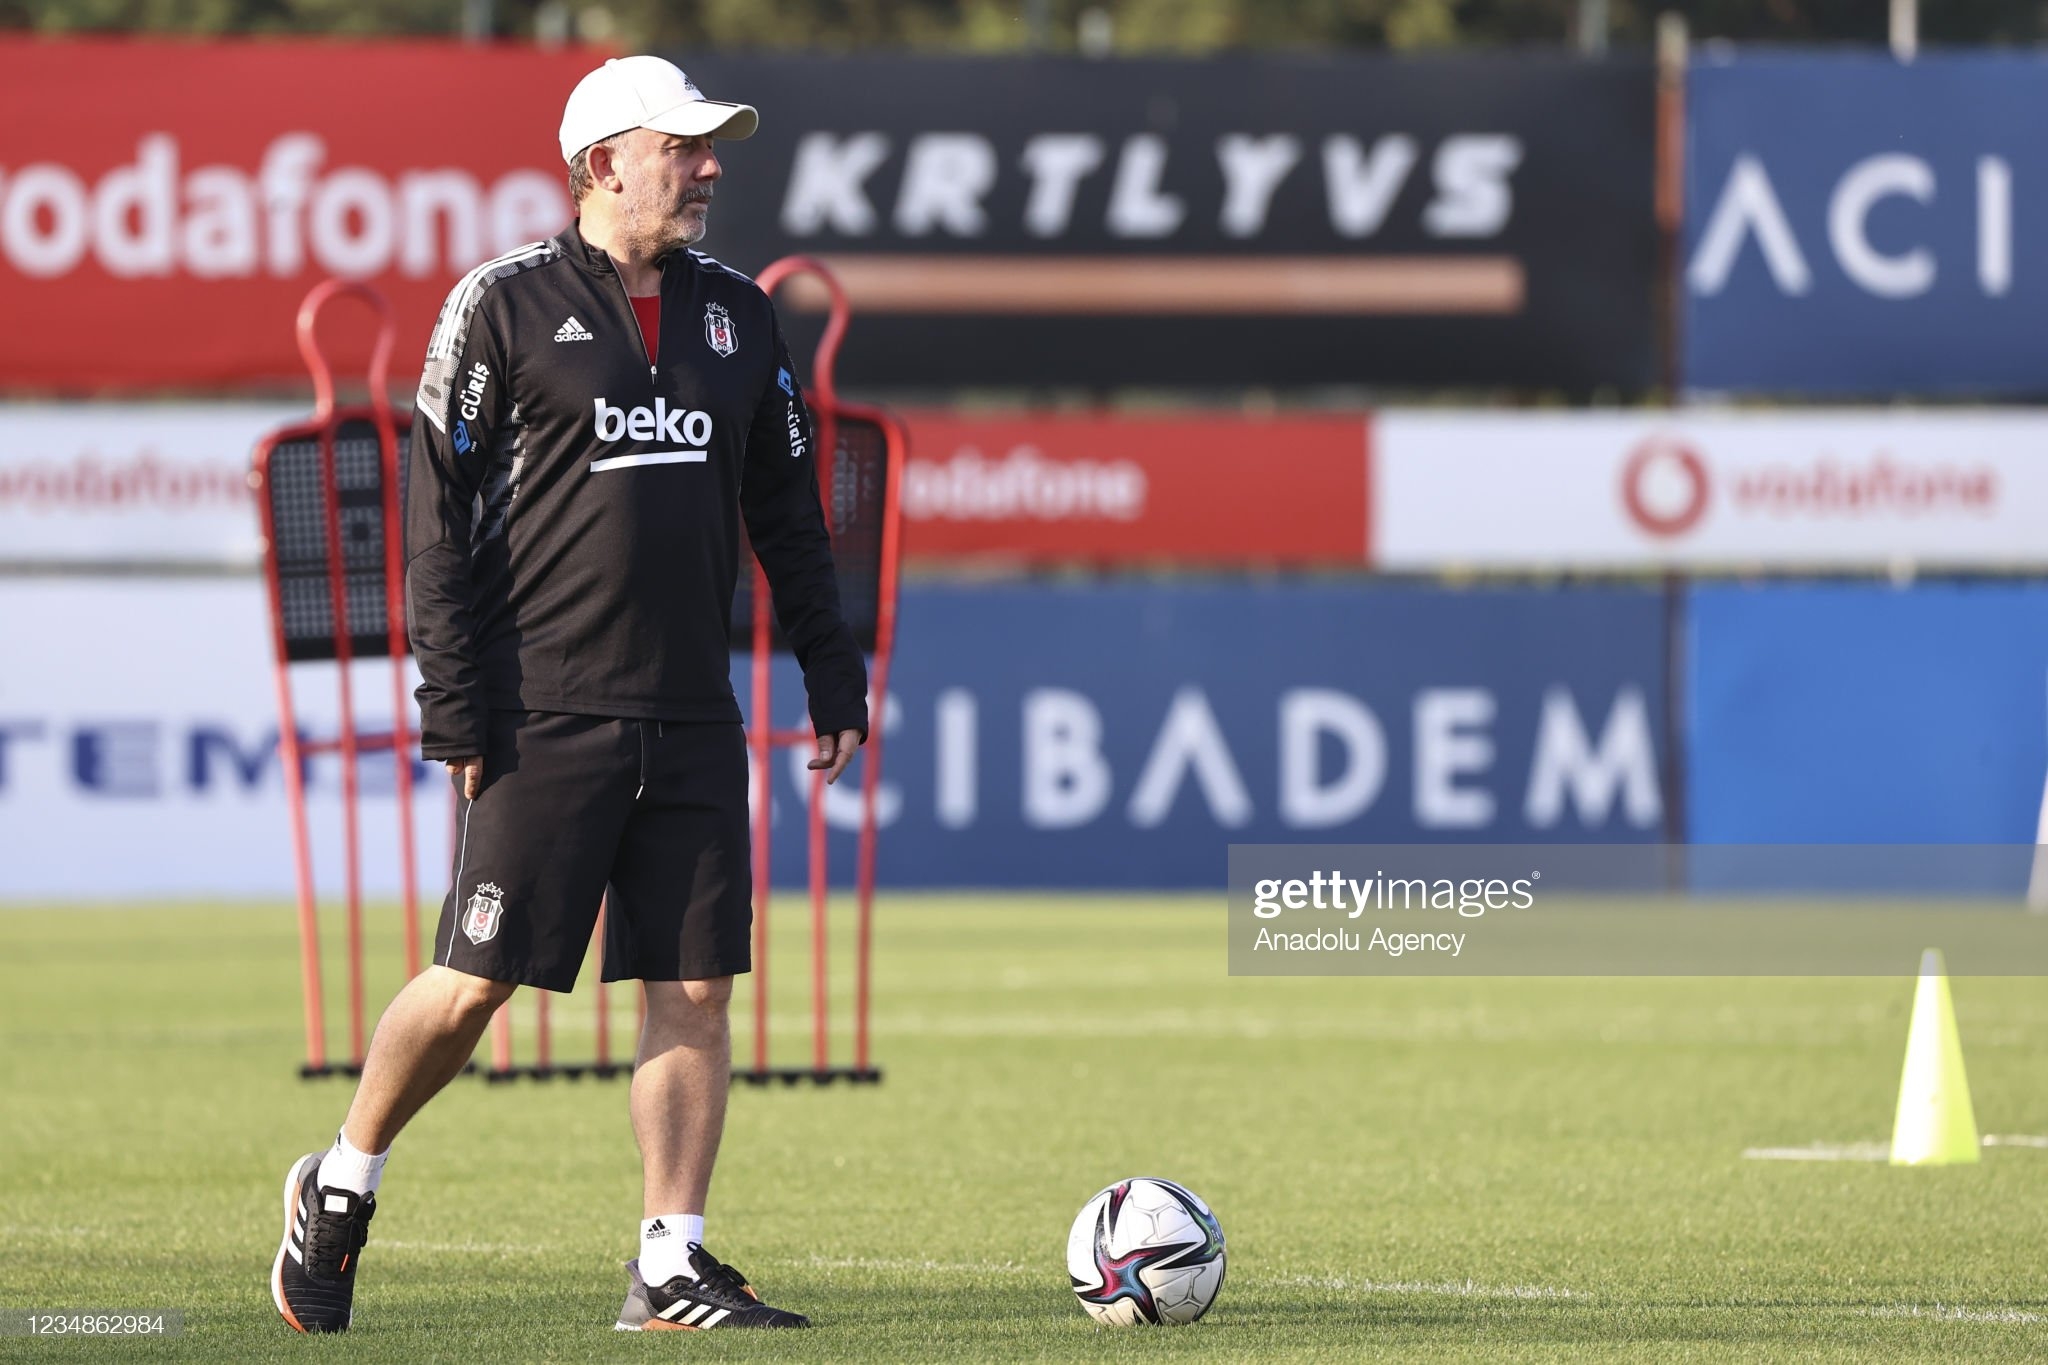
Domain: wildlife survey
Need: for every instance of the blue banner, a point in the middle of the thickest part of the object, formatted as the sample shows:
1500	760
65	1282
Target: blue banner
1855	226
1124	736
1853	714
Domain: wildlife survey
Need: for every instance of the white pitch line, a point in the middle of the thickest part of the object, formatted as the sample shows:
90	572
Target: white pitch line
1821	1151
1463	1289
1951	1314
1872	1151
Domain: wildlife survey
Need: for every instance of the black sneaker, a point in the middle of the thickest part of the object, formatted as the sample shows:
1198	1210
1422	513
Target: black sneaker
719	1297
313	1280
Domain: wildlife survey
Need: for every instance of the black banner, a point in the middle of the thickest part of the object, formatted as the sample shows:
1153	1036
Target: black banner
1247	221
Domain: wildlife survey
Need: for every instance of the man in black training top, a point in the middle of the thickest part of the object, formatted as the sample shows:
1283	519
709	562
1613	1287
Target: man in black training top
596	413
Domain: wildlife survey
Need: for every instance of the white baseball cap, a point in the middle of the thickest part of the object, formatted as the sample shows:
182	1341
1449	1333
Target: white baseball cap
646	92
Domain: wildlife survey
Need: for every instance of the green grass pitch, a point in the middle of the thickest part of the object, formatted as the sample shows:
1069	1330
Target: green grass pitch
1405	1169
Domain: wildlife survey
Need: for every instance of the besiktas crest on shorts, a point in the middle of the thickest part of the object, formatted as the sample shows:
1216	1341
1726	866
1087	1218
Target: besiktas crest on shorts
718	330
486	909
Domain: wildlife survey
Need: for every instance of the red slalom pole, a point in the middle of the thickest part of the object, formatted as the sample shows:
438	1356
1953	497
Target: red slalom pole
312	992
344	655
871	775
864	873
544	1032
310	974
821	1042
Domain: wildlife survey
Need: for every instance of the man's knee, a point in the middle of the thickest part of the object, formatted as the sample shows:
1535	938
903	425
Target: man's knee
467	998
693	1005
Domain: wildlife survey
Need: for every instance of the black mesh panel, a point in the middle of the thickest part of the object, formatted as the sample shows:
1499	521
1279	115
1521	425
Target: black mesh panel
298	503
860	465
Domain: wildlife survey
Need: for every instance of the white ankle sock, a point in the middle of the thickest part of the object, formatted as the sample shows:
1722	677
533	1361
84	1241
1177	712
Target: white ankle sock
345	1168
665	1245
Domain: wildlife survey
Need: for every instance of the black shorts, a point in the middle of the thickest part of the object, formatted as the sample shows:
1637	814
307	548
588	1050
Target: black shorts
648	816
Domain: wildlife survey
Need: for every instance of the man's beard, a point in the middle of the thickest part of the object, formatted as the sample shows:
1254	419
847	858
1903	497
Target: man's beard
653	228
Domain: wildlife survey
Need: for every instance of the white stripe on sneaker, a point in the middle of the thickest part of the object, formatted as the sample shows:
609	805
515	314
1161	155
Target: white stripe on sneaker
668	1314
720	1316
699	1311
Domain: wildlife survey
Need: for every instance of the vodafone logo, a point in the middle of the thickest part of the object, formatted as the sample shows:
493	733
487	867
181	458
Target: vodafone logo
1023	485
1664	487
289	212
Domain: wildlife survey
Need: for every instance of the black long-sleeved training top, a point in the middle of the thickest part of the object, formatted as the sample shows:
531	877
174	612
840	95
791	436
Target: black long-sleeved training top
572	512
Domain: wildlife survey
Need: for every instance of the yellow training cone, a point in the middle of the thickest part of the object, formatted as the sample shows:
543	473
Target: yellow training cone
1935	1125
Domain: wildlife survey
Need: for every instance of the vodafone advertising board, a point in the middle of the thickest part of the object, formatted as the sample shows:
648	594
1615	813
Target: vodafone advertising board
1825	488
105	483
162	483
1122	490
165	483
164	206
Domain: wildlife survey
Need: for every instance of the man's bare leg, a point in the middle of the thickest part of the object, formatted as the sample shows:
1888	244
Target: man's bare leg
423	1041
680	1082
680	1079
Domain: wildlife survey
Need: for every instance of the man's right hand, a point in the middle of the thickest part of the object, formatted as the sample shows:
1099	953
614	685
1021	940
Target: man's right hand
469	774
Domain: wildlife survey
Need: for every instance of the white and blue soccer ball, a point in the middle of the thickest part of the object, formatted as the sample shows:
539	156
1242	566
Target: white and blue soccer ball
1145	1250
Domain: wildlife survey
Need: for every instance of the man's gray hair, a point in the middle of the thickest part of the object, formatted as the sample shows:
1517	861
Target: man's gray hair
580	183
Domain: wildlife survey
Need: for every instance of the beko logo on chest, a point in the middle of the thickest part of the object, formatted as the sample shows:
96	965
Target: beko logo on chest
685	426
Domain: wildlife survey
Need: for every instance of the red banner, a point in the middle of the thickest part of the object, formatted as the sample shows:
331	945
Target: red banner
1218	490
165	205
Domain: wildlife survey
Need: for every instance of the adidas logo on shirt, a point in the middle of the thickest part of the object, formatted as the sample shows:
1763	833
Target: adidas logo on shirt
573	330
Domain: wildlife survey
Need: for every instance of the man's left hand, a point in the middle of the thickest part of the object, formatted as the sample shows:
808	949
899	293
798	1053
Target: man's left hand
835	752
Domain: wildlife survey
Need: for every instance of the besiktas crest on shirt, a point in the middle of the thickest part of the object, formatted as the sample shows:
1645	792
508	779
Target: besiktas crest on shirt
718	330
486	909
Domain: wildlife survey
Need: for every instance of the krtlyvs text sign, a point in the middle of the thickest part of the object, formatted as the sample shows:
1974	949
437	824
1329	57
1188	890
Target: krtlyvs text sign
165	206
1271	219
1853	225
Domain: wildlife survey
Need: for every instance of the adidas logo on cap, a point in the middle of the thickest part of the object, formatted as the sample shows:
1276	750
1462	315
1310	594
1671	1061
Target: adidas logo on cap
573	330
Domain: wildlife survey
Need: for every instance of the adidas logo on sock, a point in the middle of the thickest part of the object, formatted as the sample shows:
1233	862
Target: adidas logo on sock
656	1228
573	330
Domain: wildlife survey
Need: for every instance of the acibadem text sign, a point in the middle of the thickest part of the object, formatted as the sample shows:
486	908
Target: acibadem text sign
1253	220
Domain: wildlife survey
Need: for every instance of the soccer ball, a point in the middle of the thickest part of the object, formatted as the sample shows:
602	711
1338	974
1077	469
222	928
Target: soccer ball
1145	1250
